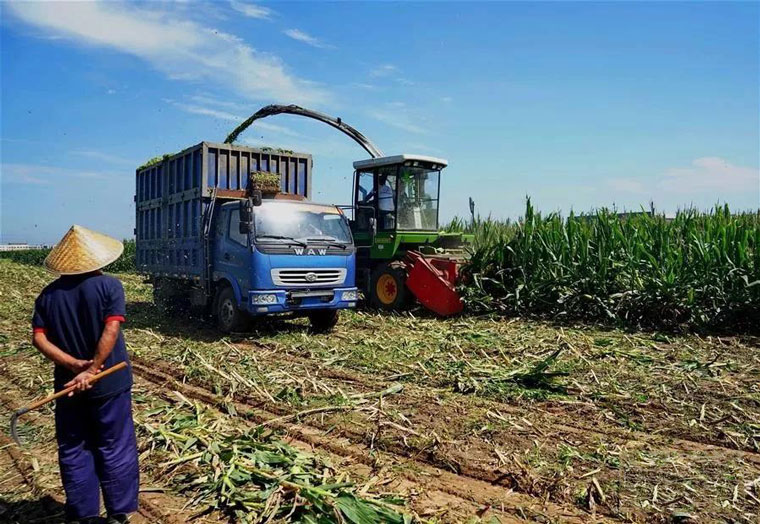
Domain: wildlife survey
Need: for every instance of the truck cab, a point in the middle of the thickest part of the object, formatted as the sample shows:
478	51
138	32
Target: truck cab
282	256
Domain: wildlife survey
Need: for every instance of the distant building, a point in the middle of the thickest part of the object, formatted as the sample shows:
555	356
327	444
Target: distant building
20	246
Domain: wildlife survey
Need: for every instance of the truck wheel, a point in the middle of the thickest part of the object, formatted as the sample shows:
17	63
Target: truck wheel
229	317
323	320
387	288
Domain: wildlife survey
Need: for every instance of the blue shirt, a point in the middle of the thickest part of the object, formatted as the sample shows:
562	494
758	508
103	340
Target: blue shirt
72	311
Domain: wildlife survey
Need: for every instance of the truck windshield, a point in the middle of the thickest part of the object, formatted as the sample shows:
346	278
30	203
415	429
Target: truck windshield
288	222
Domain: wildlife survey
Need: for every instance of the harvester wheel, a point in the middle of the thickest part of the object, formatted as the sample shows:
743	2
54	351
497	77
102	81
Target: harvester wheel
388	287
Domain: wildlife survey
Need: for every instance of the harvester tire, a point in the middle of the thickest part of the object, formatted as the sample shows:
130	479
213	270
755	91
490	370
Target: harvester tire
387	290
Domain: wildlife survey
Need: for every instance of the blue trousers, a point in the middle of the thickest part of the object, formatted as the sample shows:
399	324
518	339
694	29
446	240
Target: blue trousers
97	450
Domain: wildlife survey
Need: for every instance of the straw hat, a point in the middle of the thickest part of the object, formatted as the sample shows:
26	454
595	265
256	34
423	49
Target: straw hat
82	250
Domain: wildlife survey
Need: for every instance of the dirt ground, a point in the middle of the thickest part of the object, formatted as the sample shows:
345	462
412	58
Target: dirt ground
462	420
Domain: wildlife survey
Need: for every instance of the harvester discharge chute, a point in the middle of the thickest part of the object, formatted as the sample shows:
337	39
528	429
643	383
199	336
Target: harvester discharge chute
395	223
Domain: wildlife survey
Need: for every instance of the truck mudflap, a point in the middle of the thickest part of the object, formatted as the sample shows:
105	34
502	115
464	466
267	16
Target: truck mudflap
432	281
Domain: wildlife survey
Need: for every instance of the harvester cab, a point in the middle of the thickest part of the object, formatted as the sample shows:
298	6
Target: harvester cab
395	226
398	192
401	254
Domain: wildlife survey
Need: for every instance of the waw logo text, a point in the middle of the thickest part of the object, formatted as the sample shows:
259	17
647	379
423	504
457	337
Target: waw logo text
309	251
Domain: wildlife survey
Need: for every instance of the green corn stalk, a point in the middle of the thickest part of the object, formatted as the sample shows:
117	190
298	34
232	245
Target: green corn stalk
253	476
695	271
35	257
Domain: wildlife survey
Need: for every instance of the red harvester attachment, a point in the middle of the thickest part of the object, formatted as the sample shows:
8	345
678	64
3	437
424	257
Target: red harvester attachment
432	281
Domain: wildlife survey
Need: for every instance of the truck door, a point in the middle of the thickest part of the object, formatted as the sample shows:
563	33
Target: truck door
364	209
233	253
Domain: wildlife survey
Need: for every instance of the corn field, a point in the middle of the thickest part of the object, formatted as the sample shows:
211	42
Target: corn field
404	417
695	271
35	257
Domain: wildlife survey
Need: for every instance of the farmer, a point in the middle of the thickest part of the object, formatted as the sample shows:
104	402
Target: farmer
385	201
76	324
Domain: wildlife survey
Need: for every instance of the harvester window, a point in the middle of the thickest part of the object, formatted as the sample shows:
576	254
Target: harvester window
366	187
418	199
364	211
386	197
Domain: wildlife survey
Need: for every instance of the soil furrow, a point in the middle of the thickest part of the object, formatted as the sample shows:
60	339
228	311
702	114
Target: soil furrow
152	506
149	512
447	505
465	485
559	421
301	438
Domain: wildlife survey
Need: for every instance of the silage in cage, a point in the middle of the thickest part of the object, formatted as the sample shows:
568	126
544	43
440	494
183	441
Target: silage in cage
265	182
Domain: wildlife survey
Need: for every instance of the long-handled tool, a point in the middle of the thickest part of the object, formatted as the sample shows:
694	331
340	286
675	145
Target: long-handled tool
62	393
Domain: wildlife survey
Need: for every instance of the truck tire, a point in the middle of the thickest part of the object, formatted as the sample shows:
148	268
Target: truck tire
323	320
229	317
387	289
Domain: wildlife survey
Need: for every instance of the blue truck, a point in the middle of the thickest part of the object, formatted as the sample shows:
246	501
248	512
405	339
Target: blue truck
207	237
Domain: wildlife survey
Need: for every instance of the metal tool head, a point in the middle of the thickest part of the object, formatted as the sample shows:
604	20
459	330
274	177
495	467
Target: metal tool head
14	419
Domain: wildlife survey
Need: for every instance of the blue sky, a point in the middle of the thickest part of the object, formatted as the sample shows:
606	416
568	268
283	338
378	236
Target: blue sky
578	105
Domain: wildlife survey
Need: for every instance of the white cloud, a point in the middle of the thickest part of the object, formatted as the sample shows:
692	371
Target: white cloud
711	173
104	157
301	36
397	119
252	10
384	70
220	114
627	185
43	175
392	73
210	100
423	148
446	99
706	181
206	111
180	48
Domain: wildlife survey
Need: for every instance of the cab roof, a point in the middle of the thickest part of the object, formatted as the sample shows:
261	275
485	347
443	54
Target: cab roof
426	161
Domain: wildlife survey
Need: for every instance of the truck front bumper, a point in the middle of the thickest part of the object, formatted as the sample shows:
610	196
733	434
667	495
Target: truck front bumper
282	301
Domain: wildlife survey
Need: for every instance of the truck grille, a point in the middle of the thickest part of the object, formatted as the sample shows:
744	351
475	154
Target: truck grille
308	277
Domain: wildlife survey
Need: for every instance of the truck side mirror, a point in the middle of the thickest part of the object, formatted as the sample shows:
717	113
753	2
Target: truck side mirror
246	217
256	197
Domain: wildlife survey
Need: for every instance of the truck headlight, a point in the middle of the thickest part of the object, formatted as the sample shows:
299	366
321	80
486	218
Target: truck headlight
350	296
264	299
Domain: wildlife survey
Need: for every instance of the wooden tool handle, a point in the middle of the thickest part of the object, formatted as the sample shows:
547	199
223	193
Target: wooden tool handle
64	392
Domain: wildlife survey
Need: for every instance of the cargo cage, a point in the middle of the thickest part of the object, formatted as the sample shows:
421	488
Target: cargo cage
174	200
